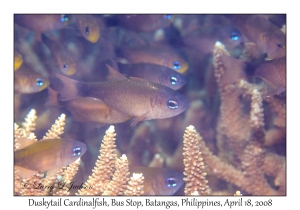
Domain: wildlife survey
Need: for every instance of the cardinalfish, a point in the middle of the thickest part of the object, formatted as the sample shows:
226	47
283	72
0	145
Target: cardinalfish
134	97
87	109
43	23
63	58
29	81
18	60
88	27
145	23
159	181
203	40
154	73
49	154
268	37
272	72
160	56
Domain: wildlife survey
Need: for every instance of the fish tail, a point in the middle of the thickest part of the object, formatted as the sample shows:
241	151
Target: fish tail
52	99
71	88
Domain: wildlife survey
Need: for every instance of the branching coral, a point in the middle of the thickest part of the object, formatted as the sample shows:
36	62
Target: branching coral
193	164
244	132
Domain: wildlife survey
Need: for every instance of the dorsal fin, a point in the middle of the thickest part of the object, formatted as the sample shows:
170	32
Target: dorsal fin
272	89
283	29
114	75
137	78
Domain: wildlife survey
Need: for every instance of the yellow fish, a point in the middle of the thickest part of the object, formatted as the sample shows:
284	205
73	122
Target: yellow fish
49	154
18	60
63	58
29	81
88	27
161	56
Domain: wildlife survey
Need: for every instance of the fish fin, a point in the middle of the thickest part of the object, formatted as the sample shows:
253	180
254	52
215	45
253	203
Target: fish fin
272	89
283	29
25	173
114	74
114	65
250	44
137	78
71	88
138	119
24	142
52	99
234	70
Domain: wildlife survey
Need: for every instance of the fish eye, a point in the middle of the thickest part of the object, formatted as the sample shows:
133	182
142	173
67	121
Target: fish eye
172	104
168	17
65	67
87	30
172	182
279	45
176	65
39	82
174	80
76	151
64	18
234	36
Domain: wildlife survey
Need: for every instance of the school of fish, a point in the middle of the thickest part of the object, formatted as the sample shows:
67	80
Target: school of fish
110	69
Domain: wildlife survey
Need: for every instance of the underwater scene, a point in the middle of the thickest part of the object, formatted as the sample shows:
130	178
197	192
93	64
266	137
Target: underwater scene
149	104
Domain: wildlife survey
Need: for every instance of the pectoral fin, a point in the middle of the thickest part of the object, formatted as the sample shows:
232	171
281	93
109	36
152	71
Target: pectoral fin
138	119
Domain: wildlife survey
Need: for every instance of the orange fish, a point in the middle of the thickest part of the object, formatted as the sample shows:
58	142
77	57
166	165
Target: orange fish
134	97
160	56
88	27
63	58
18	60
29	81
49	154
42	23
